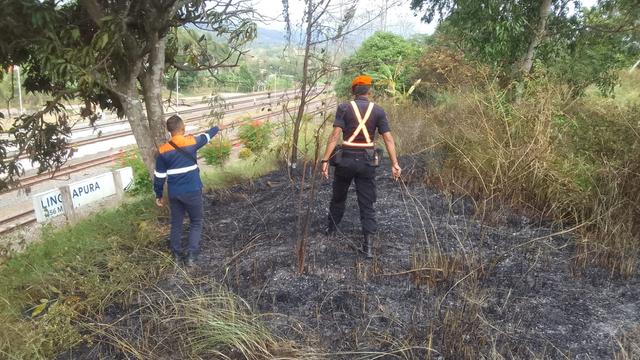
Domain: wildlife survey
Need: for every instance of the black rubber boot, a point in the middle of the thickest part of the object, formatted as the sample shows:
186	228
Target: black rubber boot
367	246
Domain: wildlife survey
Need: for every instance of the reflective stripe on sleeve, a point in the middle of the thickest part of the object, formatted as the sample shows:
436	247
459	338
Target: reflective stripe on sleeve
208	137
159	175
182	170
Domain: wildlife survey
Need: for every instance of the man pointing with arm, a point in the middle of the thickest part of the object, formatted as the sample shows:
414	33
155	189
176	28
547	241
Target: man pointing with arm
177	164
358	121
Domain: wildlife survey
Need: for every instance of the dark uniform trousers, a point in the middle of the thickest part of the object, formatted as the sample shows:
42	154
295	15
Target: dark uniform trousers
354	166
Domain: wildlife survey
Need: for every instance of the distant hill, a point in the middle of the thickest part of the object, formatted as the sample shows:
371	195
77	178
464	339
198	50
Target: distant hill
270	37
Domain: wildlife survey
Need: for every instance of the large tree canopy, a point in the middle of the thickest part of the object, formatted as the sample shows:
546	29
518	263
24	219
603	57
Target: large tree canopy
380	50
114	54
514	35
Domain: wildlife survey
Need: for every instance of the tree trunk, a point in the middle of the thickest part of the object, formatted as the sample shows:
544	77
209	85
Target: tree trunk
132	107
303	87
152	84
527	59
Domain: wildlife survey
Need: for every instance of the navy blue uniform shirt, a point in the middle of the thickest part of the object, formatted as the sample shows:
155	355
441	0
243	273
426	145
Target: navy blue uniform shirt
179	170
347	121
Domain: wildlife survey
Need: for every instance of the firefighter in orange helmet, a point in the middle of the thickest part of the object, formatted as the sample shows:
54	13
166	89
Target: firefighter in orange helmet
357	158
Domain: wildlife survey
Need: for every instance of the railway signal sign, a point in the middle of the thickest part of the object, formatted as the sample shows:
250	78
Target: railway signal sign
49	204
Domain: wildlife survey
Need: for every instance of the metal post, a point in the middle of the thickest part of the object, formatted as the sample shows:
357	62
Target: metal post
17	69
177	90
275	84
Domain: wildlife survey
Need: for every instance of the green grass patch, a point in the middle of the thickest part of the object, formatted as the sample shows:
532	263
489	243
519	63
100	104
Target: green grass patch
142	183
48	291
239	171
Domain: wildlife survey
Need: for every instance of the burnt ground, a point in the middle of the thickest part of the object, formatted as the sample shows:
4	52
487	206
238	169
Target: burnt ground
503	288
442	277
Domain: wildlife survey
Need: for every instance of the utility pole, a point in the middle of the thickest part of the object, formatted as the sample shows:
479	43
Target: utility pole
177	90
383	15
275	83
177	82
17	69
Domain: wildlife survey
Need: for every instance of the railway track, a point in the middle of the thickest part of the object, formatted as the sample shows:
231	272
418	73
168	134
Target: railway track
28	216
278	96
229	111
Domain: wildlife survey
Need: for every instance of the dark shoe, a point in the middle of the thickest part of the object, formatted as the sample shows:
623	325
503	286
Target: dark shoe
367	246
191	261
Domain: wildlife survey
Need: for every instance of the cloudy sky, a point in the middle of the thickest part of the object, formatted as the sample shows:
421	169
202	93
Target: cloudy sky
400	19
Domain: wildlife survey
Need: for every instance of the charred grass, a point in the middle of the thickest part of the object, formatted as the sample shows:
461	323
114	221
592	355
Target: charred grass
446	282
573	161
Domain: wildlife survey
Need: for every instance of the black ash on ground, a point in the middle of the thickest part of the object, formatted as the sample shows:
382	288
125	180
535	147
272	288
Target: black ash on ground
444	283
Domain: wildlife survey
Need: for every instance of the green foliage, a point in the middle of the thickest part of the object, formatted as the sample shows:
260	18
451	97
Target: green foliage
52	290
245	153
186	80
216	152
580	47
222	323
246	80
497	32
142	183
593	54
279	82
377	52
107	55
255	135
239	171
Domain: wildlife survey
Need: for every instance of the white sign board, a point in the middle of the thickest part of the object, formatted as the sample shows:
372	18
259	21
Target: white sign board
49	204
126	174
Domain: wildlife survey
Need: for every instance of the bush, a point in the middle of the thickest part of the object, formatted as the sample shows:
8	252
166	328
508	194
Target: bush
142	183
441	69
217	152
255	135
245	153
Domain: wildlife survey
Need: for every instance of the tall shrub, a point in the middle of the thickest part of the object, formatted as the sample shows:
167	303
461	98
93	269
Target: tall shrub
255	135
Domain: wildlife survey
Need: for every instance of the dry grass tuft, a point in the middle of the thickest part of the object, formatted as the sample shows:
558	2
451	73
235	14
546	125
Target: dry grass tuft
548	155
628	345
434	268
192	324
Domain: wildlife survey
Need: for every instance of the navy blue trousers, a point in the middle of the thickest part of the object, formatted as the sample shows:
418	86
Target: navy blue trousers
190	203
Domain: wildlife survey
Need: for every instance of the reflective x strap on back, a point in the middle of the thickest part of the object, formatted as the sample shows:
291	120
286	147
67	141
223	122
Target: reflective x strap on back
362	126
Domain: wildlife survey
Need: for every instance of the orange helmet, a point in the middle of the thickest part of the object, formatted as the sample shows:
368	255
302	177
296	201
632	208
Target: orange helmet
361	80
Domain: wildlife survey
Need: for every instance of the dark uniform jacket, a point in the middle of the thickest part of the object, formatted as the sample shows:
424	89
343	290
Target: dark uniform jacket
179	170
